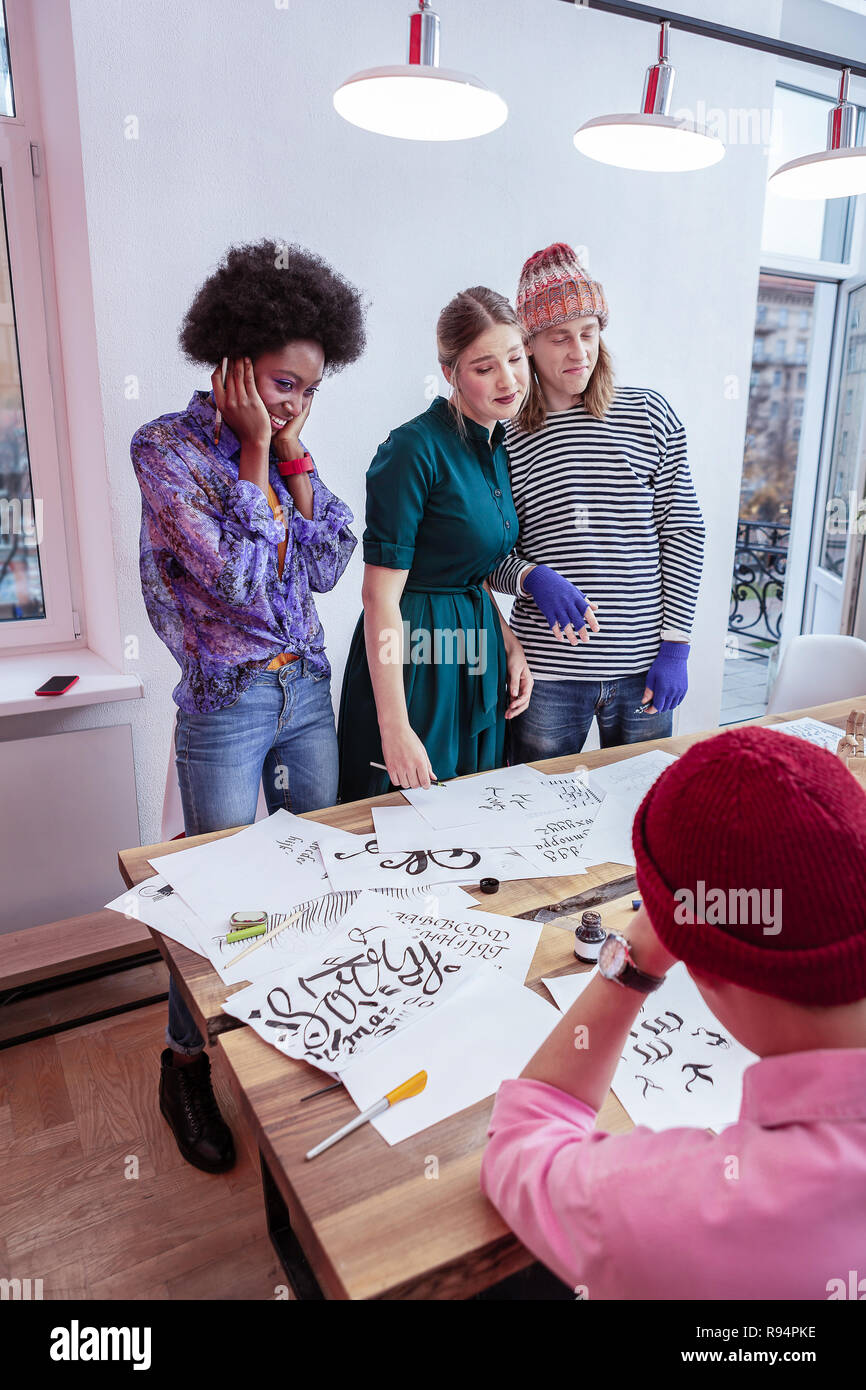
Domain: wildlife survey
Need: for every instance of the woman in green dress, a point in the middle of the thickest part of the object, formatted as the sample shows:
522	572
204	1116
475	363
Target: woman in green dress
434	670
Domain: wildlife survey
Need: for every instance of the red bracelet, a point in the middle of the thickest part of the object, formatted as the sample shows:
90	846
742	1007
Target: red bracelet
289	467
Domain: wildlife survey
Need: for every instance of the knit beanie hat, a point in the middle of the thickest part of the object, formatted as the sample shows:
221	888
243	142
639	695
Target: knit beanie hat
750	853
554	287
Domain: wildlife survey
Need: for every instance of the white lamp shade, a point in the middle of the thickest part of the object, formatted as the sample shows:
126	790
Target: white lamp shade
413	102
659	144
830	174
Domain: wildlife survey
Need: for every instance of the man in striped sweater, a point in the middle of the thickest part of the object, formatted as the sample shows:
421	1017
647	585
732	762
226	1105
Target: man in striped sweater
607	509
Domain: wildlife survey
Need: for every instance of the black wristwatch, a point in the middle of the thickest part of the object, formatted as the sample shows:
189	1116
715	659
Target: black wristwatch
615	963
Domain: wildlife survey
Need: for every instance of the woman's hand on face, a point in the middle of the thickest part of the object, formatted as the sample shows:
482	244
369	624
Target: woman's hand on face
240	404
287	441
406	759
520	680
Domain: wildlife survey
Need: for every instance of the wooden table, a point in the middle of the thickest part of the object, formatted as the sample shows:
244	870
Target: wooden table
366	1219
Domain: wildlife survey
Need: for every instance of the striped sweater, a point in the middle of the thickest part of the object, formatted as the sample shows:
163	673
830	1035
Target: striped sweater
610	505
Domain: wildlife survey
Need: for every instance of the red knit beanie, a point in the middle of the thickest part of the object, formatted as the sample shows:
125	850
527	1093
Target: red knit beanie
754	809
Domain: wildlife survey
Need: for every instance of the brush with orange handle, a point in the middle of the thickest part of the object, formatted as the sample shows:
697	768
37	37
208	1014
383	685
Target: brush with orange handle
413	1087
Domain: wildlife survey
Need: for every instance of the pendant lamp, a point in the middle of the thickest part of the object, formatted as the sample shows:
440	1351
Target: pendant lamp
418	100
651	139
837	172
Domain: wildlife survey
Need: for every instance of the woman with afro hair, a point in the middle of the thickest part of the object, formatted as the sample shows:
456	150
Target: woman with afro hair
238	532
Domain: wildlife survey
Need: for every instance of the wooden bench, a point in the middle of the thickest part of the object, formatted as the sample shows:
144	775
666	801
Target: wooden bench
57	949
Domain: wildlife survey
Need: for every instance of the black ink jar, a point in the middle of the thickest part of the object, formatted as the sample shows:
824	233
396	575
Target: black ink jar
588	937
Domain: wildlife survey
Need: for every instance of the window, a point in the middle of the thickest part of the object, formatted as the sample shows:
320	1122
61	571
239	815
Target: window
802	349
780	347
782	318
21	588
772	426
35	599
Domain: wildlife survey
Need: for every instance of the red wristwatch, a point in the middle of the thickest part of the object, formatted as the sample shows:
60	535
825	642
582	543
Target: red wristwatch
289	467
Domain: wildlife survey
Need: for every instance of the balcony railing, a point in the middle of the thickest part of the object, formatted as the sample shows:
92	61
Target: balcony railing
758	583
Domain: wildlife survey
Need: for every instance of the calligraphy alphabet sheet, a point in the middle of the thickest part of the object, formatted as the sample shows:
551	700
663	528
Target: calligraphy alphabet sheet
680	1065
507	943
402	827
557	845
363	865
344	999
485	797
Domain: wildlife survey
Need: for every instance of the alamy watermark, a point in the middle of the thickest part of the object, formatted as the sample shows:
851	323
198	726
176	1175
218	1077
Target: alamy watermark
846	516
21	517
730	906
438	646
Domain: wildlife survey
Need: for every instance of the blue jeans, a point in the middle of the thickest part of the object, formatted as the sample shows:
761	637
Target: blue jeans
280	733
557	719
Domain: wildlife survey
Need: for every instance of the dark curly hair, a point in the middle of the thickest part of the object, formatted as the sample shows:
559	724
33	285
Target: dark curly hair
264	295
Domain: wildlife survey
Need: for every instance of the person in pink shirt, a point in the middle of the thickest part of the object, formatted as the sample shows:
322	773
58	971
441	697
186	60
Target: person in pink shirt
773	1207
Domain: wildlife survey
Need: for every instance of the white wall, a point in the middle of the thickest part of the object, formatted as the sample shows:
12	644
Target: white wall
238	139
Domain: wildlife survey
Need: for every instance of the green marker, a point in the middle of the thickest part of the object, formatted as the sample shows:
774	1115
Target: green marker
244	933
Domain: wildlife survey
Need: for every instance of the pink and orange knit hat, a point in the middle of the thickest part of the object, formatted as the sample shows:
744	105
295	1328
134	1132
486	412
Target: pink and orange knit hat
554	287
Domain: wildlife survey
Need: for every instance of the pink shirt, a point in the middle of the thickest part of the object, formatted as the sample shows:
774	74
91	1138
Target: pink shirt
773	1207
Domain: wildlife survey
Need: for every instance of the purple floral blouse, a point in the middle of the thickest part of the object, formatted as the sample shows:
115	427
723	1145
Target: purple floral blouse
208	564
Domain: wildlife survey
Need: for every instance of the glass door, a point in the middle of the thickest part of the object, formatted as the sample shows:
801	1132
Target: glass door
836	566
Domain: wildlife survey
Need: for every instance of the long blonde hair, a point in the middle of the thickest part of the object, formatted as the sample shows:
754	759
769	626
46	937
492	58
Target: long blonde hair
598	393
464	319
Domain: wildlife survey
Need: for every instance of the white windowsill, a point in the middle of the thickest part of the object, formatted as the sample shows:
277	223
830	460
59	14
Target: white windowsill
98	682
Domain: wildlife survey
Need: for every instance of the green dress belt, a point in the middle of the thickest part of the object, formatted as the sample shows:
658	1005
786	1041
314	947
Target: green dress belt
485	682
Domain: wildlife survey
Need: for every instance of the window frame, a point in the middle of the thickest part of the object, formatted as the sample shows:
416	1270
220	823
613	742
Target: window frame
27	240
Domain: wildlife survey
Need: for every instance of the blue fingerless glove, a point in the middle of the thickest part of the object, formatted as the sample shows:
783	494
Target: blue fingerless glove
559	600
668	677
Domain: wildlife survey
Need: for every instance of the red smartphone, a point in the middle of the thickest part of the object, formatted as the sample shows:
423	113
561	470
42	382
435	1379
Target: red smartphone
56	685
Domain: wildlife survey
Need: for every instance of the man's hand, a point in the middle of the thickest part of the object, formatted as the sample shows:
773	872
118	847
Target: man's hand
568	611
649	953
668	678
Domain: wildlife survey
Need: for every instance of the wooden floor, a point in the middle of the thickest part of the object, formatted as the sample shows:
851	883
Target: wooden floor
78	1113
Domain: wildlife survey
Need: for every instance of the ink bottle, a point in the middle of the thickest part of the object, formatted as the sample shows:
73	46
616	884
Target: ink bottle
588	937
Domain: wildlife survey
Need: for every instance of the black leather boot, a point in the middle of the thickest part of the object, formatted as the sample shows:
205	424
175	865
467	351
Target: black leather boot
188	1103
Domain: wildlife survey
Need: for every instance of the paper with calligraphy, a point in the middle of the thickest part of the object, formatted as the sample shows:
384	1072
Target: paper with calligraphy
343	1000
680	1066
